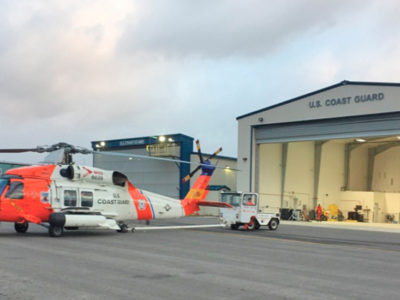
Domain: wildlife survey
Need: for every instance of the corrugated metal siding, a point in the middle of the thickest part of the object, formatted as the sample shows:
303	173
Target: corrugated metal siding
153	175
373	125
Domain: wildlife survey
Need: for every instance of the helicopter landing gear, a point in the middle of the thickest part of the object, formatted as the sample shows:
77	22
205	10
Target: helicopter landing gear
21	227
55	231
124	228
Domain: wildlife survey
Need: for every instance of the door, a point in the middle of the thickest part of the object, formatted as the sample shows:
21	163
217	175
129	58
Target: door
249	207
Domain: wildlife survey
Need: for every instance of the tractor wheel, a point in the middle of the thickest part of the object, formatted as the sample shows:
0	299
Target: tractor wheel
257	225
251	225
234	226
21	227
273	224
56	231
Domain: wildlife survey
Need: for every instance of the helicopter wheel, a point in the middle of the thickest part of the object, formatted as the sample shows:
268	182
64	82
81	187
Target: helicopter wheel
21	227
56	231
124	228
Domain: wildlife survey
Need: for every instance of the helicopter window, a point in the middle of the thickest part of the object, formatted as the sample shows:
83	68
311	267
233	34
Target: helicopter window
87	199
3	184
16	190
70	198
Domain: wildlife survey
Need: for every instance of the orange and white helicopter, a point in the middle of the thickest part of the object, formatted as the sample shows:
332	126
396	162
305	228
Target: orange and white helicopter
67	196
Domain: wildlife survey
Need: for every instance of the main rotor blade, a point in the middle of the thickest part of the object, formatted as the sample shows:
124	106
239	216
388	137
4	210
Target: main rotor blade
215	153
199	151
187	177
154	158
21	150
67	148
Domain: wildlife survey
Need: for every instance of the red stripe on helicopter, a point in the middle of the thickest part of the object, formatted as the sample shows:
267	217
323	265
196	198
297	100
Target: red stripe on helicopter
142	204
88	172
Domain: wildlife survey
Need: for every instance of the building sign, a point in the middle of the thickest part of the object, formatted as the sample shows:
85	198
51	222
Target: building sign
132	142
344	101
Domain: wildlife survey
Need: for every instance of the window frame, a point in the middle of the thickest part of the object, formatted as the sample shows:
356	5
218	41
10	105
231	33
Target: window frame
11	190
76	197
246	199
82	201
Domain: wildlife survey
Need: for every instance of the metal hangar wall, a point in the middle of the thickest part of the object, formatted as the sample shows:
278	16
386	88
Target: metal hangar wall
337	145
153	175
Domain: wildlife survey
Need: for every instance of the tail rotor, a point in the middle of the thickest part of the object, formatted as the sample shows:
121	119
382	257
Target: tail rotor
205	165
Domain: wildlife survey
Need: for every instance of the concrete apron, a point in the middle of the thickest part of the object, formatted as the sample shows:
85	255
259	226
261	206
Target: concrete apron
392	228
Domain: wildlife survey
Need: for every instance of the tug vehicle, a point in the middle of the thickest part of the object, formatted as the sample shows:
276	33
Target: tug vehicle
244	211
64	195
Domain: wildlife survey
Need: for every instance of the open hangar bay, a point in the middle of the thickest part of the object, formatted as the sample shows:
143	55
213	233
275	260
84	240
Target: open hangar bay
338	146
291	263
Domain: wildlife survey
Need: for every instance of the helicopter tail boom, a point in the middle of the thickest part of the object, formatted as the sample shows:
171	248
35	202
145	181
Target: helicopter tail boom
198	193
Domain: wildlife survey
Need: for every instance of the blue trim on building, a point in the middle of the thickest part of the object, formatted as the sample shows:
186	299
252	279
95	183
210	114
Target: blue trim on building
186	148
139	141
184	169
344	82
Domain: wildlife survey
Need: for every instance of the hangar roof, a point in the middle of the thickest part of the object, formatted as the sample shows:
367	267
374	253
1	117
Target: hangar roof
344	82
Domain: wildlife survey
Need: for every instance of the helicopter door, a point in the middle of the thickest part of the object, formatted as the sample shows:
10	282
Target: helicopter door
69	197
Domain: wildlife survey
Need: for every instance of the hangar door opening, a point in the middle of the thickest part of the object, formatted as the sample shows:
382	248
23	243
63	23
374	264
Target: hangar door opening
352	163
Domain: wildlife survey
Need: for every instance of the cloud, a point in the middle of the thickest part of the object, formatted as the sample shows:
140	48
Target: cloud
78	71
225	28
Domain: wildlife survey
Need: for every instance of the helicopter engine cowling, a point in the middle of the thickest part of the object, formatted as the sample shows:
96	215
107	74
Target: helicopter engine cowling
94	175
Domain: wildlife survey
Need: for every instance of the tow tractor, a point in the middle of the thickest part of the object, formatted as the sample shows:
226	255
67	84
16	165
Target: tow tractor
245	212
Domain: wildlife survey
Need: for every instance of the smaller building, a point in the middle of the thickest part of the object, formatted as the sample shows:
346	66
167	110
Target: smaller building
160	175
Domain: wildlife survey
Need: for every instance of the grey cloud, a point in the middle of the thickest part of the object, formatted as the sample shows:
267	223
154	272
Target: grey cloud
59	83
227	27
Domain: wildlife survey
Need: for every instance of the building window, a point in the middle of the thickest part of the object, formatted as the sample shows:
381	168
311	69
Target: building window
87	199
70	198
16	190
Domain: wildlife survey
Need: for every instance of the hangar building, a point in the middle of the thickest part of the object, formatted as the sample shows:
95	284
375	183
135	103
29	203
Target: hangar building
160	176
338	145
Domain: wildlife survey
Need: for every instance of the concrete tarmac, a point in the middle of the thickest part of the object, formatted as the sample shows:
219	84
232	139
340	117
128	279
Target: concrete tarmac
294	262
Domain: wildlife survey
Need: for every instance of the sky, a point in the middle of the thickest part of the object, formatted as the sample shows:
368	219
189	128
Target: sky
87	70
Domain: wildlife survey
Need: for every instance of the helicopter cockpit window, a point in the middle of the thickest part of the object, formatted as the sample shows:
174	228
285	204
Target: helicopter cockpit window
70	198
3	184
87	199
16	190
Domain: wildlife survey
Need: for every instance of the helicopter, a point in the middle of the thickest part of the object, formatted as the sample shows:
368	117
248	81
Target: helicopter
64	195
